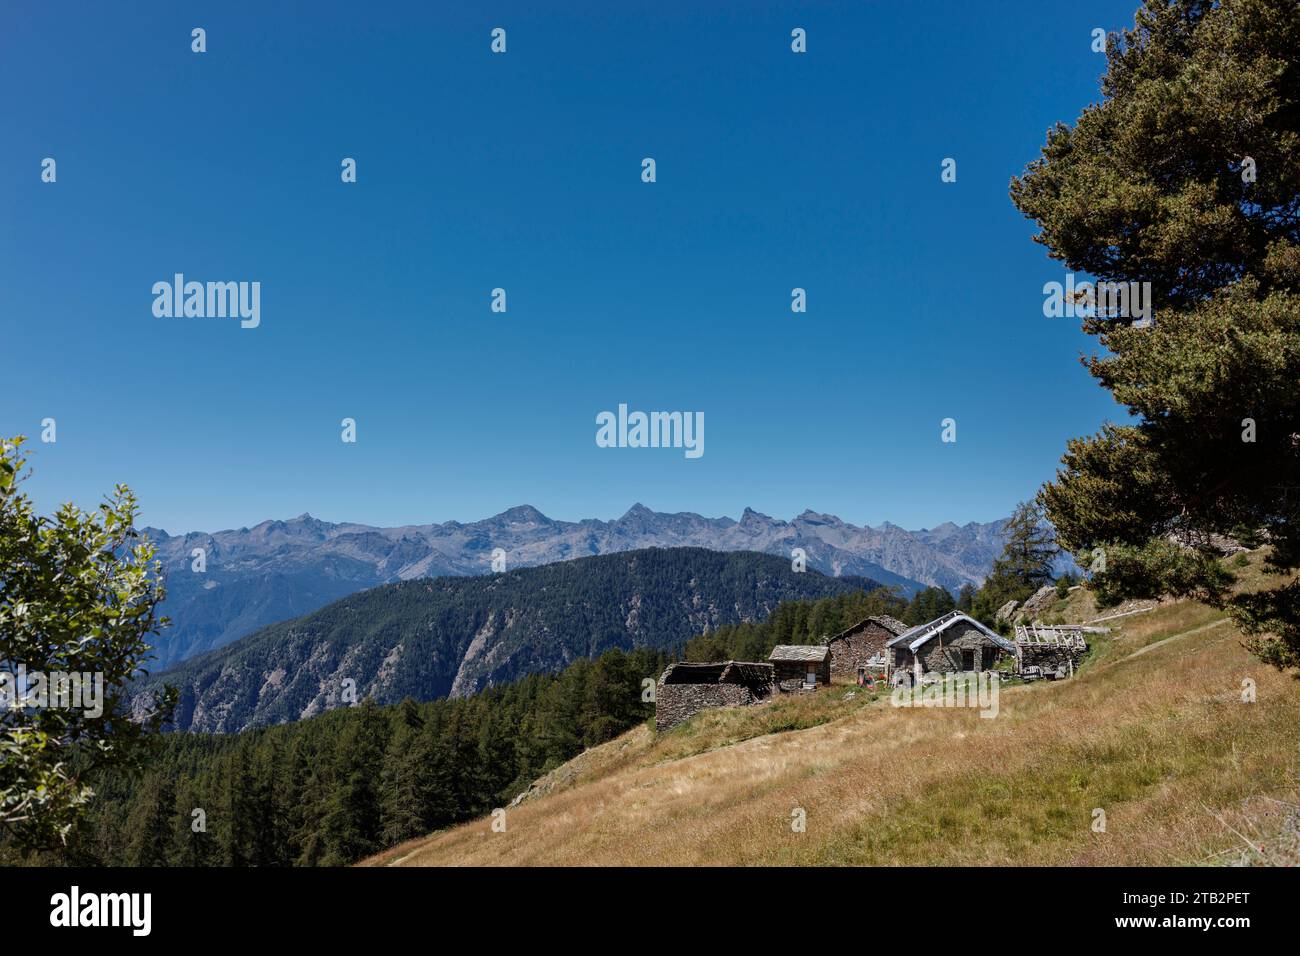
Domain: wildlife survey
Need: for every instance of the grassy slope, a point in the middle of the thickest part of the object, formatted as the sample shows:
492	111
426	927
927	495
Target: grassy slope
1153	730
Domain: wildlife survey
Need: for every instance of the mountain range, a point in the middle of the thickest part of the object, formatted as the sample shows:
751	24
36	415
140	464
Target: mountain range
278	570
453	636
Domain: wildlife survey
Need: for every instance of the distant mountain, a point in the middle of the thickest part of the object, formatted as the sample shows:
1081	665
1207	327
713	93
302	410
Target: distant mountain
453	636
281	569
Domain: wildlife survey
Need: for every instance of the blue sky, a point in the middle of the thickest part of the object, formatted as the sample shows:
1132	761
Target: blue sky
522	171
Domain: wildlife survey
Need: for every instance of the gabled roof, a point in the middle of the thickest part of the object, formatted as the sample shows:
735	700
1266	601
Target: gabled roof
924	633
811	653
892	624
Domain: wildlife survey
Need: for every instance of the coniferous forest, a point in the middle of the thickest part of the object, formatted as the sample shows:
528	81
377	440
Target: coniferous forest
334	788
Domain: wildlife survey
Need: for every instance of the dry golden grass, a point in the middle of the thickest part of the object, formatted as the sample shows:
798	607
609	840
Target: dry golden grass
1153	731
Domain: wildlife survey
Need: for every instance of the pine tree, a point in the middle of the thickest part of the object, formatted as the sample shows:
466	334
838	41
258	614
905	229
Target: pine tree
266	809
150	827
406	777
235	839
463	758
315	765
191	847
1025	564
441	807
606	701
1187	177
496	750
353	818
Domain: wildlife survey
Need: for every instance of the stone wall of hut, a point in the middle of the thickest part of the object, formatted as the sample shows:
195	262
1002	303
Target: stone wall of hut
852	651
943	655
677	702
790	674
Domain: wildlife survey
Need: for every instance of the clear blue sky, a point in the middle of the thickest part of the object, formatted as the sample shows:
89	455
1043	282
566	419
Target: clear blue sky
522	170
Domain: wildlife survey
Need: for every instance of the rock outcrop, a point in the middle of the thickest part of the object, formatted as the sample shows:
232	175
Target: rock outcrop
1005	611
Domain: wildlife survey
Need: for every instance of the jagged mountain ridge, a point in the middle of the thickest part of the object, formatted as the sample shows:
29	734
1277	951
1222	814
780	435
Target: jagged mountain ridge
281	569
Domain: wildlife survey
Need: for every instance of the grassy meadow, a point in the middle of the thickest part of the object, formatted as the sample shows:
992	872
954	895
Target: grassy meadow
1153	731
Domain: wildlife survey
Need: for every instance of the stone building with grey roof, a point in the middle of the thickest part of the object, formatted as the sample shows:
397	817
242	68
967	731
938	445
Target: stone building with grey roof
951	644
860	649
801	665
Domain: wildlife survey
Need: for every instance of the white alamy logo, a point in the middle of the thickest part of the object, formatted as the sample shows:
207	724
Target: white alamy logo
102	909
952	690
1099	300
21	689
651	430
209	300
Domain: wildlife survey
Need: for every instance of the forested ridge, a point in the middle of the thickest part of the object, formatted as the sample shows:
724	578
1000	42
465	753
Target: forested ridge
452	636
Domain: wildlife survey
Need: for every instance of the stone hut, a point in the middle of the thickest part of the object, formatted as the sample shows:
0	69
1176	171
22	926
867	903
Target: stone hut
801	665
685	689
860	649
950	644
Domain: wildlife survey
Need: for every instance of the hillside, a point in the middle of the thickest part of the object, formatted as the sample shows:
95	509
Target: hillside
281	569
437	637
1153	731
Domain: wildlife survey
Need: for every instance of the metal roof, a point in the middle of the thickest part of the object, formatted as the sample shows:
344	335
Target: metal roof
923	633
